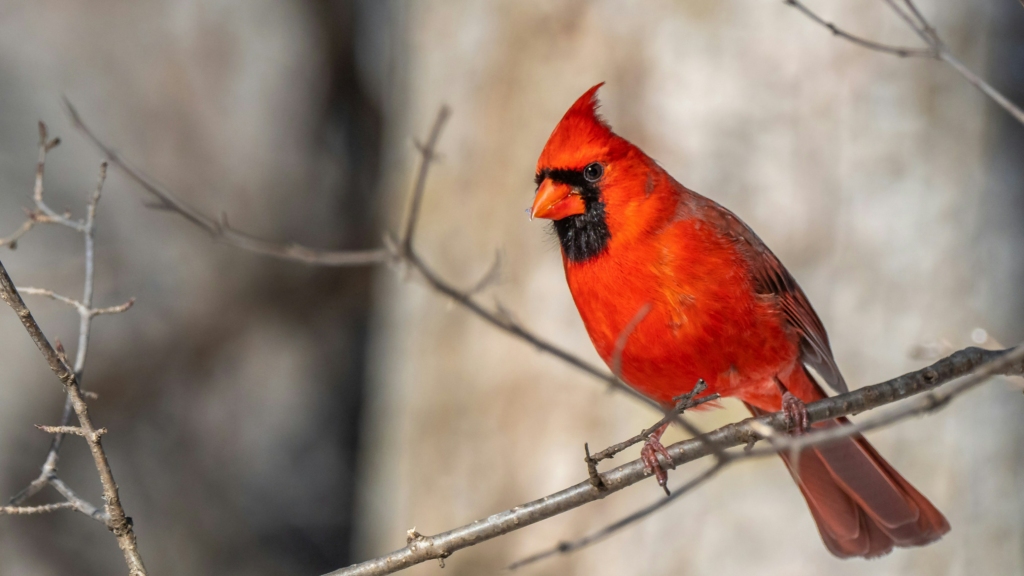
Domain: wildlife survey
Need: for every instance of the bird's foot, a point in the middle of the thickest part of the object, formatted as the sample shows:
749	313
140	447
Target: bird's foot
796	413
649	455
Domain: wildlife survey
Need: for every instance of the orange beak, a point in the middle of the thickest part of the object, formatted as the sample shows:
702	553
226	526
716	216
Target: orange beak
555	201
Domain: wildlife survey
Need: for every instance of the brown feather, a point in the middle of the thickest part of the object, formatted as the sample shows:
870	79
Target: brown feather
861	505
772	279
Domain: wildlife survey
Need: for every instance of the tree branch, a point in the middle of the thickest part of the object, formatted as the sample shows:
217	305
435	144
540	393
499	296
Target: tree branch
219	228
42	509
937	49
119	523
863	42
567	547
423	548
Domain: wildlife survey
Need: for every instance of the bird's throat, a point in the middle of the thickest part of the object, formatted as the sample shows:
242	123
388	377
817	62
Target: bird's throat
584	236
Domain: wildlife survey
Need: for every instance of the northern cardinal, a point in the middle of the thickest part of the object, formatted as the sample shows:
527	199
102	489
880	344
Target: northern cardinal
720	307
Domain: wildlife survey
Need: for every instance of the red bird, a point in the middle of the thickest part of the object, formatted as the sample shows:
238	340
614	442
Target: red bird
722	308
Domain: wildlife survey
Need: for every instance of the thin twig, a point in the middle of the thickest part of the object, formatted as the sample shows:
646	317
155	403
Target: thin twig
402	251
79	504
428	152
937	49
74	430
219	228
869	44
87	227
427	548
41	509
33	291
12	240
113	309
45	145
917	22
89	232
686	402
567	547
985	88
83	310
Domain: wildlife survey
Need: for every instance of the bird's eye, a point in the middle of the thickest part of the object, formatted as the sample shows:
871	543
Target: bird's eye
593	172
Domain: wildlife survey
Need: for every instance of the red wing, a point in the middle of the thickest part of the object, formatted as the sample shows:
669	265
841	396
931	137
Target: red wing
772	279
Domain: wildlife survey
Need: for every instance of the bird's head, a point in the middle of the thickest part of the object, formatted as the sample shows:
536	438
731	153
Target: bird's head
590	181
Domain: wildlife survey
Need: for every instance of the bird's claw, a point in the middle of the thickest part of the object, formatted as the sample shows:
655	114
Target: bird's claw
796	413
649	455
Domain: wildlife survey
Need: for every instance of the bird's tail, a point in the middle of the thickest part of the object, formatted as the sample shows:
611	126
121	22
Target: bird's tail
862	506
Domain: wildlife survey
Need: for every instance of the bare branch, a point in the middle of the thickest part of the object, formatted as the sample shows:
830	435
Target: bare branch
119	522
961	363
33	291
915	20
12	240
869	44
82	309
985	88
43	509
37	193
567	547
81	505
74	430
428	152
113	309
219	228
42	214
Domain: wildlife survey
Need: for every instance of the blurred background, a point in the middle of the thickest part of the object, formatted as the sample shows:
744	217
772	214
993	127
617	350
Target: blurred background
272	418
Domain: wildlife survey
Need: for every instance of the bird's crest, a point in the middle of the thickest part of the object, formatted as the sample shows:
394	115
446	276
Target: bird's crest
578	136
585	108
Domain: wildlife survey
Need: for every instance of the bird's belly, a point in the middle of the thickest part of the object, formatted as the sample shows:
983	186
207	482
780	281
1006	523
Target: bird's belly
738	350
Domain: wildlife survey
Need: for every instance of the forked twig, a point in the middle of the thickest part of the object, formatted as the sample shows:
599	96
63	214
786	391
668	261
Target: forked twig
112	516
937	49
118	522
